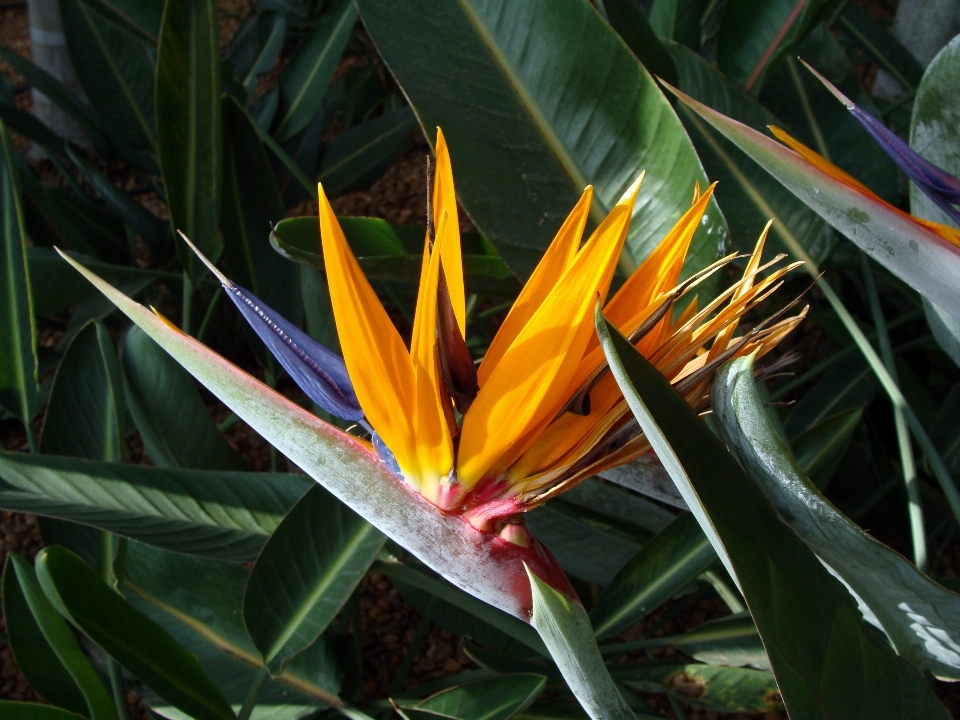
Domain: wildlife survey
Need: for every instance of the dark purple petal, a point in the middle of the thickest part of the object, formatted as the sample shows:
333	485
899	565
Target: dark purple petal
319	372
939	185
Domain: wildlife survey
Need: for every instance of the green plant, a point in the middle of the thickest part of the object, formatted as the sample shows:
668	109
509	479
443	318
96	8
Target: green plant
150	567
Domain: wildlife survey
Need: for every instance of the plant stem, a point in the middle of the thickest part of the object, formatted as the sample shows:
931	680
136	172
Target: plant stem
250	701
109	553
896	397
187	303
907	462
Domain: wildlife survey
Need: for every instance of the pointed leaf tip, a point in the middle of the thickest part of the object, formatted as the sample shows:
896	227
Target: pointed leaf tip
224	280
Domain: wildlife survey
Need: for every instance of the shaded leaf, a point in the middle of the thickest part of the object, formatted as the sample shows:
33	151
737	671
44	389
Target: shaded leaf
85	414
188	122
920	617
144	649
721	689
357	157
584	112
199	601
39	637
249	211
672	560
825	663
496	698
19	391
115	70
305	78
173	421
13	710
307	570
221	515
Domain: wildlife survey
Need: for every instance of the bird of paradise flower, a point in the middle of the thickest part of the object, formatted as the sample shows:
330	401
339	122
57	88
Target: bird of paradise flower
464	450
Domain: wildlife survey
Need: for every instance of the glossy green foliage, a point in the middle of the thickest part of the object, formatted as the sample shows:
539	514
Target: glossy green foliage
173	421
86	413
819	650
305	573
584	113
189	134
144	648
919	616
47	653
19	393
222	515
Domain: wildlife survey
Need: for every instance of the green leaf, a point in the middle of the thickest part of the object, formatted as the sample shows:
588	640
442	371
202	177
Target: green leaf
188	123
55	217
731	641
848	385
390	252
173	421
934	134
427	581
826	663
920	617
305	573
755	34
586	546
220	515
630	509
248	212
12	710
527	137
721	689
879	45
918	256
61	96
85	414
39	637
360	155
144	649
748	195
664	566
812	115
820	449
256	48
626	18
115	70
565	628
142	17
496	698
19	391
153	230
199	602
305	78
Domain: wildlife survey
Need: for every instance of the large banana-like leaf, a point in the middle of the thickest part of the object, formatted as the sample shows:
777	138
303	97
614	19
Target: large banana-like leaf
827	664
221	515
921	618
188	122
538	99
306	572
916	254
19	392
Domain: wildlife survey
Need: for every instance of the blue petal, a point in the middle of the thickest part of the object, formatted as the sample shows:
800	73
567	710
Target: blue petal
320	373
385	454
937	184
